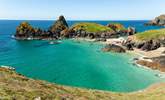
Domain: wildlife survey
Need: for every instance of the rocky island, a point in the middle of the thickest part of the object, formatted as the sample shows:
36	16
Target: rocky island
145	41
60	29
158	21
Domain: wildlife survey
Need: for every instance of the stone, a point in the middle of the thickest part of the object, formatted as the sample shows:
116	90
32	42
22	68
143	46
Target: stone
59	25
157	63
158	21
113	48
131	30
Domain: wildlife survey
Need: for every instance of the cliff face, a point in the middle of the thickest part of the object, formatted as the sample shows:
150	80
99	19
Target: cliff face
25	30
60	29
159	21
59	25
14	86
148	40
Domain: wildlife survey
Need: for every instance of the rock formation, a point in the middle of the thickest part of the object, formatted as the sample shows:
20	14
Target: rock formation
143	45
158	21
59	25
157	63
24	30
58	29
113	48
131	31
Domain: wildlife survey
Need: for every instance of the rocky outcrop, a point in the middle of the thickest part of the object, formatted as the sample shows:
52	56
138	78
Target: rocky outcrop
116	26
24	30
59	25
143	45
57	30
121	30
131	31
60	29
113	48
158	21
157	63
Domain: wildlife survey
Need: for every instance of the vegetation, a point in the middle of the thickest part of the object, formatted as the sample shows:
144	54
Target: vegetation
14	86
24	29
151	35
90	27
117	27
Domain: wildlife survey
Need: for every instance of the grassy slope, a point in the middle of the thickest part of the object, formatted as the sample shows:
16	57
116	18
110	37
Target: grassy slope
91	27
151	34
118	26
17	87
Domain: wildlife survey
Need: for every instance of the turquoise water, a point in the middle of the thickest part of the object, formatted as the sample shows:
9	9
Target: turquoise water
80	64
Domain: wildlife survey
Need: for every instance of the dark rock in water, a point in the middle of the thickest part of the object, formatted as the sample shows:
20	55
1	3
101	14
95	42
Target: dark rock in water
158	21
113	48
135	59
59	25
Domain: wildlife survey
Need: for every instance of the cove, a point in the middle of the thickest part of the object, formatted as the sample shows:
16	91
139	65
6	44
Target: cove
79	64
72	63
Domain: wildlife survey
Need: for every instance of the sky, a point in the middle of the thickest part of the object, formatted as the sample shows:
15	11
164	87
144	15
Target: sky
81	9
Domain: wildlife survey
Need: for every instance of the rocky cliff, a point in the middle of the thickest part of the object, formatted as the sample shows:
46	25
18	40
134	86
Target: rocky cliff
148	40
158	21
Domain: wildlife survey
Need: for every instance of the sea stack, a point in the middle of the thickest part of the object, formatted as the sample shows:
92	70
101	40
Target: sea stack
59	25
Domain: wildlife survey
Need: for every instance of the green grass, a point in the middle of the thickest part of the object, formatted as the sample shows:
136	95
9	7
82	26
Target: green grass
91	27
14	86
118	26
151	34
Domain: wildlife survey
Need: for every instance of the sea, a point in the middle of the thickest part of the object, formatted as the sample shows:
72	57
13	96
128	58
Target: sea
75	63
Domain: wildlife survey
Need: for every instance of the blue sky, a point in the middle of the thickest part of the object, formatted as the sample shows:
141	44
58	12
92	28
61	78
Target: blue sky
81	9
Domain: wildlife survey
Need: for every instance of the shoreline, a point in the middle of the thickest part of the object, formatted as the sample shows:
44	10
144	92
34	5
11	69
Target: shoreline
141	54
41	85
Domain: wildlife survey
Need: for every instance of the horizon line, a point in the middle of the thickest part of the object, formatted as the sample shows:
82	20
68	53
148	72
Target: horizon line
77	19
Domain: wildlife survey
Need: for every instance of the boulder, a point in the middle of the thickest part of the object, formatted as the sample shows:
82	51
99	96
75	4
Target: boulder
131	30
113	48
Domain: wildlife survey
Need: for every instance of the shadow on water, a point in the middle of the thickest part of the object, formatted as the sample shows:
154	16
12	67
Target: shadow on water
41	44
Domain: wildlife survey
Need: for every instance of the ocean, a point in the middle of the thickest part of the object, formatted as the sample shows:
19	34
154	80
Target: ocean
74	63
